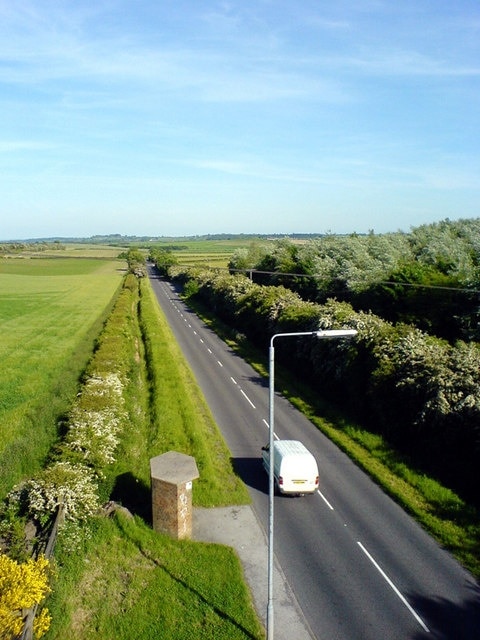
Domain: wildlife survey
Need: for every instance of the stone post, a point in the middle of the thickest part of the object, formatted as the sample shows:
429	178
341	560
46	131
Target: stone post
172	474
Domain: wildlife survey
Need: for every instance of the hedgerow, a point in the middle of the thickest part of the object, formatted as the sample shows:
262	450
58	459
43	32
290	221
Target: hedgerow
419	391
428	277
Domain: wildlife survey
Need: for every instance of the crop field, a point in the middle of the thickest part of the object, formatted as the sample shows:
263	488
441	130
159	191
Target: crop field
68	250
206	253
50	313
209	260
205	246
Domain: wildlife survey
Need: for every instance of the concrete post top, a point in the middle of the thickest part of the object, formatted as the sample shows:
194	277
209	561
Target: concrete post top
173	467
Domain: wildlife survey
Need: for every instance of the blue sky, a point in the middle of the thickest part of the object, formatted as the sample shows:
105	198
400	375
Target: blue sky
171	118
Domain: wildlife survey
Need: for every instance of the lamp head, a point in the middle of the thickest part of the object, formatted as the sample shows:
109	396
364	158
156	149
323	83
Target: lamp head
336	333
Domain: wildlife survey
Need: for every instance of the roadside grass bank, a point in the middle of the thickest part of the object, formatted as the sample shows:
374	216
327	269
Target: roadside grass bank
181	419
51	312
129	582
125	580
452	522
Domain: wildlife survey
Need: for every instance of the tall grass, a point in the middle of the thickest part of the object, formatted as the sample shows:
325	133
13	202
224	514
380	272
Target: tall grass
50	314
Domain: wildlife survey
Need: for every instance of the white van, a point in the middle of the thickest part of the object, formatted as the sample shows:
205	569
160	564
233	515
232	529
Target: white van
295	468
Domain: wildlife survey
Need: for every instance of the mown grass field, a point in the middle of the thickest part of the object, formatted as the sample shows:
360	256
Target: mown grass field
51	311
68	250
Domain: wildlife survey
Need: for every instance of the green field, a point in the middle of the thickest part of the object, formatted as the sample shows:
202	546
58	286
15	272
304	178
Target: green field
50	313
202	247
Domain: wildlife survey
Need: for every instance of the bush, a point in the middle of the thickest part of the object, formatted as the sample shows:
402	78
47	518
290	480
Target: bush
22	586
71	485
96	420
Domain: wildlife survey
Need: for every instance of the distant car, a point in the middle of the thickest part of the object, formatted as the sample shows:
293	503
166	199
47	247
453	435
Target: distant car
295	468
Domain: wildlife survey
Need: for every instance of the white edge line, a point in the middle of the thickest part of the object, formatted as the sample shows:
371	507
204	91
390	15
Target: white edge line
387	579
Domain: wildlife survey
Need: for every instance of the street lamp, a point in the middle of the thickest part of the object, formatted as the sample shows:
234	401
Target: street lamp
328	333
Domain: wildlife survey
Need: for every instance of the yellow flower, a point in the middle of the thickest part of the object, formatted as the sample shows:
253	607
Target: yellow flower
21	587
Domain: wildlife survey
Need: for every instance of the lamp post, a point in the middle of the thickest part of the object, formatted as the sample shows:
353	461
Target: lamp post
329	333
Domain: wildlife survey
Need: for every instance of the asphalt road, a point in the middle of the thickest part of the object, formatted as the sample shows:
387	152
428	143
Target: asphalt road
360	568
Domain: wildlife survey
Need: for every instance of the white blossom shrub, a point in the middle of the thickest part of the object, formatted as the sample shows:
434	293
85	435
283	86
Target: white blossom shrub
93	432
94	435
106	385
62	483
418	390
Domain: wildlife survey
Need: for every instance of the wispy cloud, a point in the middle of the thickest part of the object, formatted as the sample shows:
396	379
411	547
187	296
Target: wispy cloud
40	52
402	62
14	146
203	75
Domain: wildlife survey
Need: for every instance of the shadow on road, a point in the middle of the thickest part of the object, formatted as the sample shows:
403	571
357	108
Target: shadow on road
453	620
250	470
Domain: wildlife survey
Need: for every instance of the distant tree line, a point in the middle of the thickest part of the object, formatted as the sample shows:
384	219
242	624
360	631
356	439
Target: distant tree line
421	392
7	248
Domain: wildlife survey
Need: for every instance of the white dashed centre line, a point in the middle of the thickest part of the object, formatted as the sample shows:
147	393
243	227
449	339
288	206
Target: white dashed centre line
248	399
325	500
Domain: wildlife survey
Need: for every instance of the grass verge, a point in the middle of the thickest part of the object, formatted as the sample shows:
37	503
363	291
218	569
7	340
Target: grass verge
181	419
129	582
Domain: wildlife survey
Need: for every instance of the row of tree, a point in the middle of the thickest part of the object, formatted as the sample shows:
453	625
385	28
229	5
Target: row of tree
8	248
419	391
429	277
